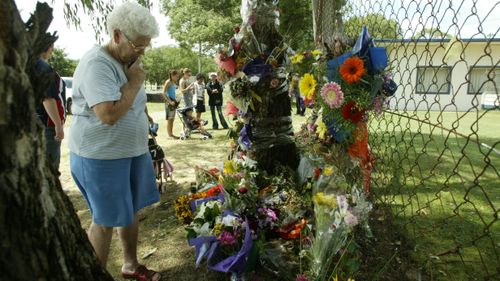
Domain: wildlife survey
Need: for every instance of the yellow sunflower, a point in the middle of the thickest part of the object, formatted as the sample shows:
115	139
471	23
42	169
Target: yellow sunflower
307	86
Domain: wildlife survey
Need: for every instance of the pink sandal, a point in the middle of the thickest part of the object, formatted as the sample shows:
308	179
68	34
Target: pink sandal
142	273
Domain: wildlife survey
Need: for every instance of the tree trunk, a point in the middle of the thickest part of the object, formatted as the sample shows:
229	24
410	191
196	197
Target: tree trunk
271	122
328	25
41	237
199	58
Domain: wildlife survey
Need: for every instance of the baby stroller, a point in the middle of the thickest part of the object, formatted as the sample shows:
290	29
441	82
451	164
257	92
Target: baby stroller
163	168
190	125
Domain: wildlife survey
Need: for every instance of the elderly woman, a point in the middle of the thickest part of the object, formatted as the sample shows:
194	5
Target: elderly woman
109	159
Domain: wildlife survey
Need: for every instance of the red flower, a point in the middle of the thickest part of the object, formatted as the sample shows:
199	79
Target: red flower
317	173
214	171
214	191
351	112
243	190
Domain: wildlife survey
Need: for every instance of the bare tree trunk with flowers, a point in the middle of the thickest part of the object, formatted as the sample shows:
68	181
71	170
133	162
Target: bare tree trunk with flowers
271	122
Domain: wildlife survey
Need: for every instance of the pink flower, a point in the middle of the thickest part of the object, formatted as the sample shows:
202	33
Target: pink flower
227	239
351	220
242	190
301	277
332	94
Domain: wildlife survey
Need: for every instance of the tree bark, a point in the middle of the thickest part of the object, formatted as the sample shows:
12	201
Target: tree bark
271	122
41	237
328	25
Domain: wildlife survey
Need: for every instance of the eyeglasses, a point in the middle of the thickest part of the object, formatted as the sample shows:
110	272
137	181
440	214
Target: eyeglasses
137	49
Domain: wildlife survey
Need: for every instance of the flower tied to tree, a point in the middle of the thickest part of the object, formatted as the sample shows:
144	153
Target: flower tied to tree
307	87
332	94
351	112
352	70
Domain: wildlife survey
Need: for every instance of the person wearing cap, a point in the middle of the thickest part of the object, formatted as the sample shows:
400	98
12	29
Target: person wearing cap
110	161
215	89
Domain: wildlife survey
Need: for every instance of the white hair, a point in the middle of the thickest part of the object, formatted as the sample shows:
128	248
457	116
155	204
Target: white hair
132	19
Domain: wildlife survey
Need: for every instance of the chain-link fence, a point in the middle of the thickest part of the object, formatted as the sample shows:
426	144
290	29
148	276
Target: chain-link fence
437	147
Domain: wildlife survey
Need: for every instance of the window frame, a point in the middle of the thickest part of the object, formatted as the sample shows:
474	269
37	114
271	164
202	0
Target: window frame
450	71
469	82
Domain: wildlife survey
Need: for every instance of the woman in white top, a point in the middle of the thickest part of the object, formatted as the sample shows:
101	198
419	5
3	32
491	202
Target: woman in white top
110	160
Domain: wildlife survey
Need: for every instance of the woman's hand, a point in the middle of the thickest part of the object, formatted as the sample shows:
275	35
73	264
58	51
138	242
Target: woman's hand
135	73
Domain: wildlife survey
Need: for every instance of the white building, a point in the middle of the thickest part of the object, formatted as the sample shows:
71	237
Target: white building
444	74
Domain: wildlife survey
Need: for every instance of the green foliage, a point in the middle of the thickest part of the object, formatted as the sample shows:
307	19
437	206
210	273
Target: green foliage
432	33
159	61
200	22
378	26
62	64
296	23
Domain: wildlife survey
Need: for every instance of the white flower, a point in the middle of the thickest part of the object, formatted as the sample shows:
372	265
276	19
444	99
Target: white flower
229	220
338	220
204	230
351	220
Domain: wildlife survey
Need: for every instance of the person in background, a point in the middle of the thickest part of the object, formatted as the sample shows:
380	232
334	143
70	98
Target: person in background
51	111
214	90
199	92
295	92
194	124
186	88
110	161
171	102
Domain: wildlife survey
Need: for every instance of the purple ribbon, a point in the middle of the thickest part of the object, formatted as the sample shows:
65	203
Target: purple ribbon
198	202
236	263
244	139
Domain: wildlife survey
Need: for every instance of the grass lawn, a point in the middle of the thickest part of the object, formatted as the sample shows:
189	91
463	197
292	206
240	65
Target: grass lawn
443	188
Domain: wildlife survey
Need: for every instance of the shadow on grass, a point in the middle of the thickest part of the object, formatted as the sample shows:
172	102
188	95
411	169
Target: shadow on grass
444	192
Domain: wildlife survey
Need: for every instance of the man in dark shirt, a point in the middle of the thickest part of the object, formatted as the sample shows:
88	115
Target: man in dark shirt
50	110
214	89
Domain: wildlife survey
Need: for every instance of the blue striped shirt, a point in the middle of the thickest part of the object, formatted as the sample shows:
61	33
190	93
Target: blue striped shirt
97	79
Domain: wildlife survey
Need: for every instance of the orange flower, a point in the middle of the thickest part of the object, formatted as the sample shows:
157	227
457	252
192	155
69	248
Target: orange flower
352	70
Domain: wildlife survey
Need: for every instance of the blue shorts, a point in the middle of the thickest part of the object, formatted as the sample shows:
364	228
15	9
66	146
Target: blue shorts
115	189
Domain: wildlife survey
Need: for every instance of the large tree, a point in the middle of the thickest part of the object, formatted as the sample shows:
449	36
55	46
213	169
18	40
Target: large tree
61	63
41	237
379	26
204	25
296	23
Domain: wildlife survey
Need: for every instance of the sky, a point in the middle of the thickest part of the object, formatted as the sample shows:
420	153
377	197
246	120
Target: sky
77	42
457	17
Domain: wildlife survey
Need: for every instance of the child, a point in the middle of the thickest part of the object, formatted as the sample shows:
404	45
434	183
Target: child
199	92
194	124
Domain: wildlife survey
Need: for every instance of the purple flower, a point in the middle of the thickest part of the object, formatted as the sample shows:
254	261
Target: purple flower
301	277
227	239
378	105
269	213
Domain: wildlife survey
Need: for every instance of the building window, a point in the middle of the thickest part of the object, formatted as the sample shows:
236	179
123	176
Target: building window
433	80
484	79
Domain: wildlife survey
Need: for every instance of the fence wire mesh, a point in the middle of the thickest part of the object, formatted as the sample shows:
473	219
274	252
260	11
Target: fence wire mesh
437	146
